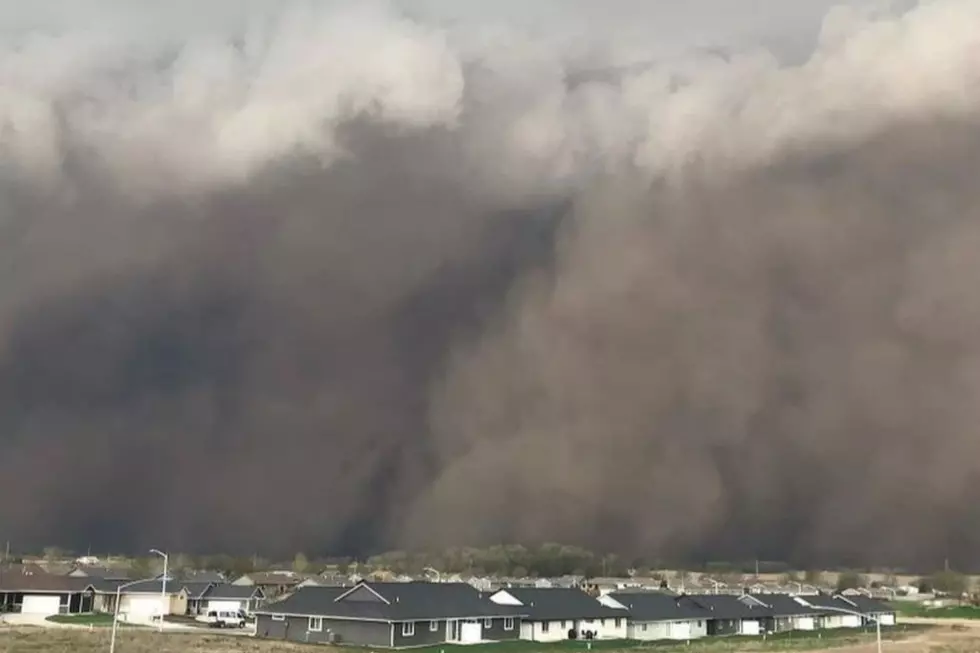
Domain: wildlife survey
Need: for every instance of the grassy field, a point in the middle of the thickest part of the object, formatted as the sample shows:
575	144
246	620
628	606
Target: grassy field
54	640
916	609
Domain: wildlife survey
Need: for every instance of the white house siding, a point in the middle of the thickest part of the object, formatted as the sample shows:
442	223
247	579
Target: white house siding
660	630
548	631
841	621
527	630
605	628
803	623
887	619
851	621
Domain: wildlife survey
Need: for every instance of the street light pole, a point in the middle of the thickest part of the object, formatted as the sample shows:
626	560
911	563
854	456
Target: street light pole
163	586
115	613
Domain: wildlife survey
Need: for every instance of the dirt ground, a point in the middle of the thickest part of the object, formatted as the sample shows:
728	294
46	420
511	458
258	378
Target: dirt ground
949	636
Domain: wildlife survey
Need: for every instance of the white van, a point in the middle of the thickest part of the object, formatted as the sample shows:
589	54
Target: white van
223	619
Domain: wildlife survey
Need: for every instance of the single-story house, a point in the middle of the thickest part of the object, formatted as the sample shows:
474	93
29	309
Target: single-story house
233	598
874	609
44	594
787	612
658	616
847	611
389	615
142	600
273	583
727	615
562	613
196	591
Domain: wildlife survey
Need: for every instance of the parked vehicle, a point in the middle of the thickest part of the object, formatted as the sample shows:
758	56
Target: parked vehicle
223	619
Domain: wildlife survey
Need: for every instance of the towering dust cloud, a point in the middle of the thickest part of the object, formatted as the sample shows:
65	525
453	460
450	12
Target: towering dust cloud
338	278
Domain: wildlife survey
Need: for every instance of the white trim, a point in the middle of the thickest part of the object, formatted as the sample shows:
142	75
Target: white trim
408	629
433	626
509	623
315	624
278	617
359	586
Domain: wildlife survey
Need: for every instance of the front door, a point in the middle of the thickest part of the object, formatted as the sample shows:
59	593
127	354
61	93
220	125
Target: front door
452	630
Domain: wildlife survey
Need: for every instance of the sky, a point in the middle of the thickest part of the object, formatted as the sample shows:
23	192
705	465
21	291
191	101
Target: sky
668	279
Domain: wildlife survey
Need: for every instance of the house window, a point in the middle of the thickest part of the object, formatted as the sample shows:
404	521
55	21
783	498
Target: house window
316	624
408	629
643	627
509	623
602	622
488	623
699	623
278	617
544	626
563	625
433	626
619	622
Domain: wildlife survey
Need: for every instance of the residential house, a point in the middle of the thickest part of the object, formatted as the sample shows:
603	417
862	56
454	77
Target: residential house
43	594
657	616
727	615
389	615
101	572
849	611
201	576
273	583
873	609
142	600
786	612
835	612
196	591
553	614
233	598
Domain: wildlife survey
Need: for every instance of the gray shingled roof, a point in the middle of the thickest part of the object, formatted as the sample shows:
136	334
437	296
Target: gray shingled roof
234	592
726	606
414	601
658	606
555	604
41	583
868	605
197	589
784	605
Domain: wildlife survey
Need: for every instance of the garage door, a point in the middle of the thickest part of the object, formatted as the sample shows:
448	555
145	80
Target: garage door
750	627
805	623
887	619
851	621
41	604
143	606
680	630
470	632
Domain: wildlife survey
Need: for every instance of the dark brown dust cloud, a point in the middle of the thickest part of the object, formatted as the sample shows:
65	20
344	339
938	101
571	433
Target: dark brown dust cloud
342	280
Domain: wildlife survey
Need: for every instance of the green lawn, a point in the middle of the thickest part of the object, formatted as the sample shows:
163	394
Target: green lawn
779	642
917	609
94	619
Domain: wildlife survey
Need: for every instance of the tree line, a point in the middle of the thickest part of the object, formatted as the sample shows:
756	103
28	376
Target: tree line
547	560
